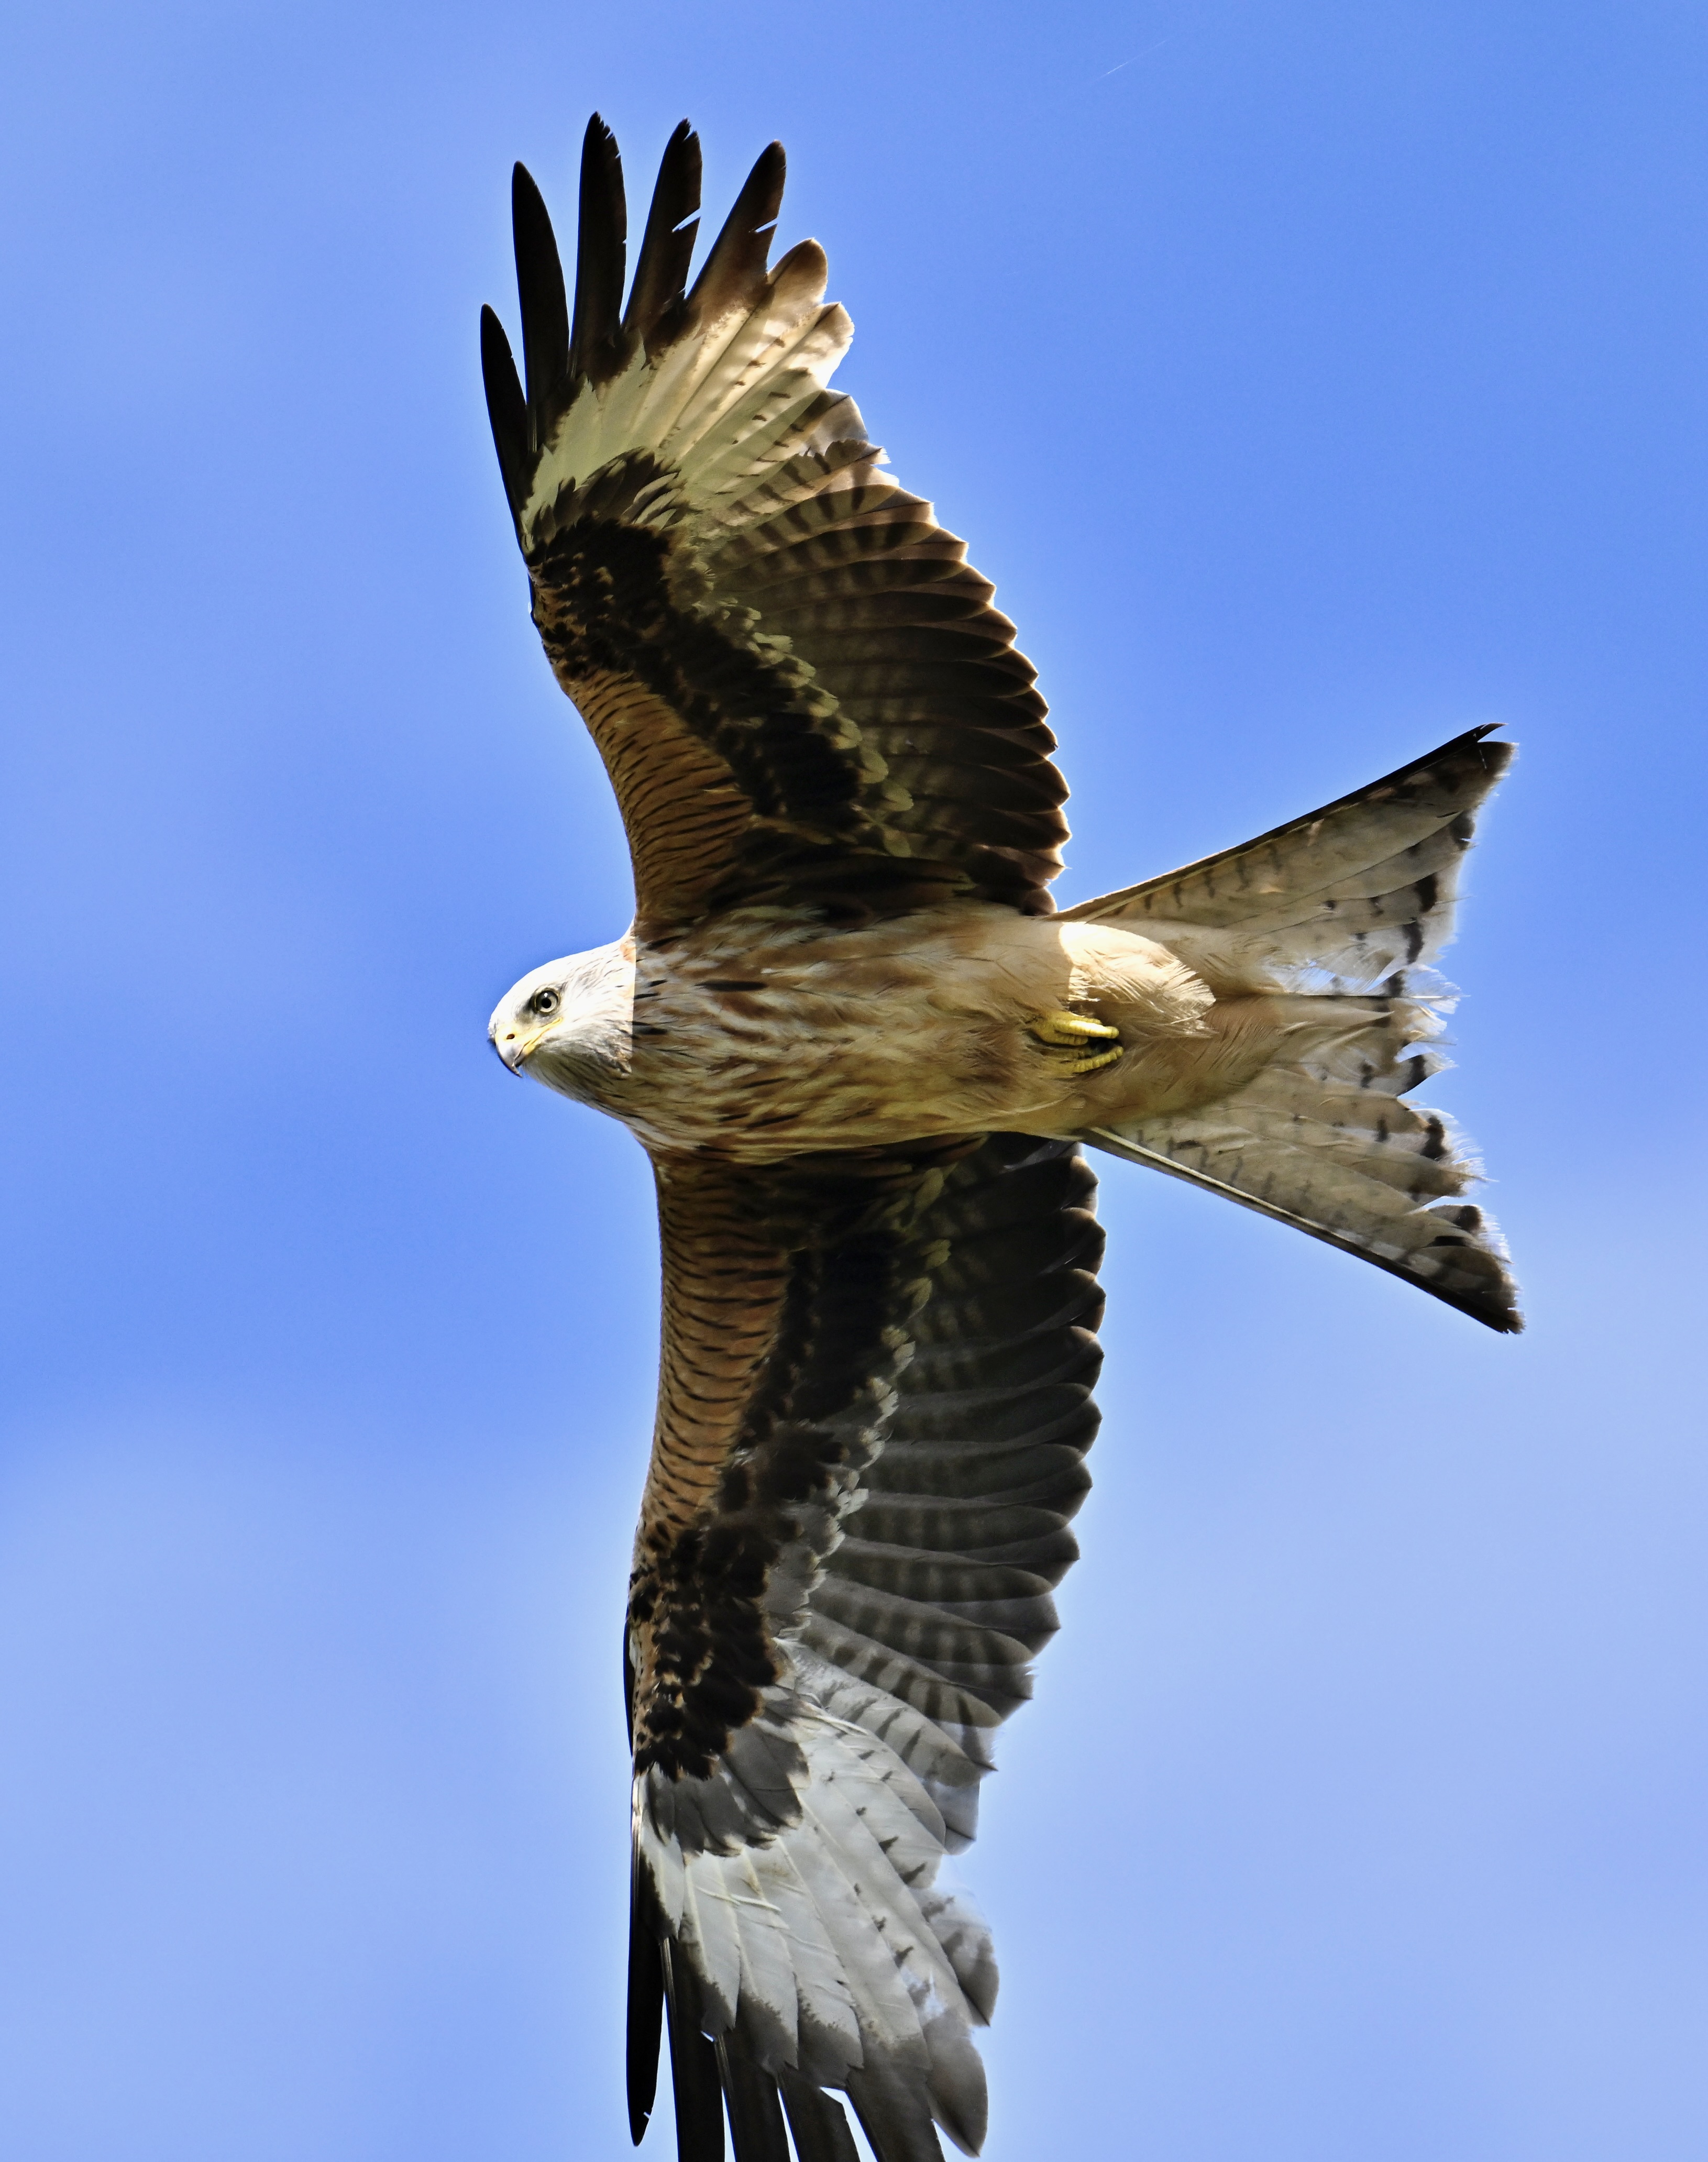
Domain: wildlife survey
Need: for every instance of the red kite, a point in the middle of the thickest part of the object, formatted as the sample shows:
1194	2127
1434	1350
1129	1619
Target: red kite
864	1054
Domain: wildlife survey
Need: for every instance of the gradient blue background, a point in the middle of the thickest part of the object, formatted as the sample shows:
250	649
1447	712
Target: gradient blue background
1316	380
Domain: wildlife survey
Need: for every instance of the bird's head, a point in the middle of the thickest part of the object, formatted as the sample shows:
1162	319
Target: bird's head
570	1024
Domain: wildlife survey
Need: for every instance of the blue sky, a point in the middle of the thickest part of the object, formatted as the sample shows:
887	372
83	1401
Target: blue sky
1315	380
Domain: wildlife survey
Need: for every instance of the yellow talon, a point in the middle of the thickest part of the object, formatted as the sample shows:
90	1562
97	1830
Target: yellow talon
1075	1033
1068	1029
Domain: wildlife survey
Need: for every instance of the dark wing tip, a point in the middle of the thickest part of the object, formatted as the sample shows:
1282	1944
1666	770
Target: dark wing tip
657	306
761	196
646	2004
755	2106
507	409
544	310
526	202
596	349
818	2123
695	2077
736	267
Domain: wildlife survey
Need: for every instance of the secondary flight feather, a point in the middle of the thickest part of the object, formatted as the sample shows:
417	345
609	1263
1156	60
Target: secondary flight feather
864	1054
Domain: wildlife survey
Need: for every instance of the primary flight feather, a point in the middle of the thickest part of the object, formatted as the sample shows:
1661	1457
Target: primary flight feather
864	1053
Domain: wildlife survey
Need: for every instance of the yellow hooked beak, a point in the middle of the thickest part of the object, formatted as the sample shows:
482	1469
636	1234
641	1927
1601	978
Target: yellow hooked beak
515	1047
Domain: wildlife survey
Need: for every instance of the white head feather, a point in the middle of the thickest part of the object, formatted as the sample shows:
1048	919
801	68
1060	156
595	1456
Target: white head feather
570	1024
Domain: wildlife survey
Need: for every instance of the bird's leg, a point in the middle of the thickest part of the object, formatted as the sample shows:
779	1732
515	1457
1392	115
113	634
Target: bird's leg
1076	1042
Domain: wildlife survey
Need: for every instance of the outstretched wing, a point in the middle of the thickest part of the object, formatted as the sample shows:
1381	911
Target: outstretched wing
798	684
874	1402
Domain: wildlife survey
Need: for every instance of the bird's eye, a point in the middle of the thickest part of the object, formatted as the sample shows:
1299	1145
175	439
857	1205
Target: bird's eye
544	1002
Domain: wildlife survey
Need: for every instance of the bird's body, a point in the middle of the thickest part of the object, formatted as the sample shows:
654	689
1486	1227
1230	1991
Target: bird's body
765	1035
864	1053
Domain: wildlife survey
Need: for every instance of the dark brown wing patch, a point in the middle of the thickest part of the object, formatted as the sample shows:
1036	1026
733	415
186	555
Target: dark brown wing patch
784	1295
880	600
731	785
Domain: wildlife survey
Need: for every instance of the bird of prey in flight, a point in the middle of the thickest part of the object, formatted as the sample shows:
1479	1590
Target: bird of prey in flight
865	1053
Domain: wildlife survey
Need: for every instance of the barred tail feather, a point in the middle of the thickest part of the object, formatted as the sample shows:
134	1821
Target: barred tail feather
1323	1139
1322	923
1336	901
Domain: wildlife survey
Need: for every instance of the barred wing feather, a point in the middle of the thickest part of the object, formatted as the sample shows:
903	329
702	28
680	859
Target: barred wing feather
874	1406
799	686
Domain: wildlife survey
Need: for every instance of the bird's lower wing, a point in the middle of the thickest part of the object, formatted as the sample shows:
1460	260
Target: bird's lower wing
874	1409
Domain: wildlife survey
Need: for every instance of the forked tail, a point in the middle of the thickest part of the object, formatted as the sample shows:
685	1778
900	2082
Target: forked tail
1331	920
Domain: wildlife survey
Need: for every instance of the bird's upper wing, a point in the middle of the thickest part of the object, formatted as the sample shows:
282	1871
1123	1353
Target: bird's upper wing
874	1402
799	686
